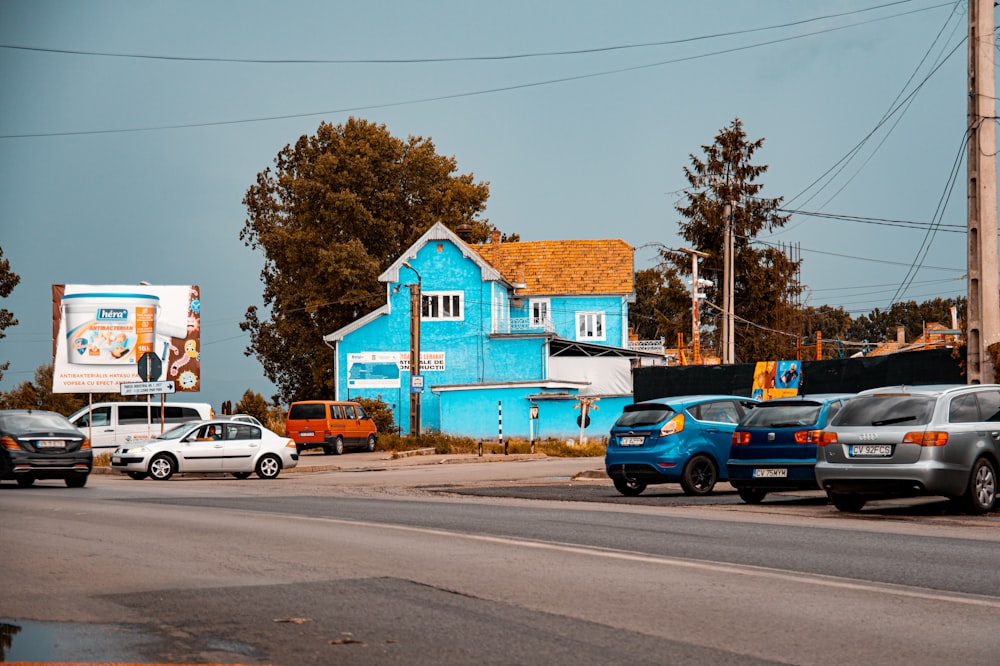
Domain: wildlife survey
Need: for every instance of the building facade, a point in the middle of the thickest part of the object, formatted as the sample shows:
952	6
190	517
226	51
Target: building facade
514	338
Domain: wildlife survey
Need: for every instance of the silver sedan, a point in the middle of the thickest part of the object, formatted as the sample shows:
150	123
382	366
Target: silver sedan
215	446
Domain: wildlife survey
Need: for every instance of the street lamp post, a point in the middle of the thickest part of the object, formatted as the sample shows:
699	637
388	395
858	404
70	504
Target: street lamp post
416	384
695	319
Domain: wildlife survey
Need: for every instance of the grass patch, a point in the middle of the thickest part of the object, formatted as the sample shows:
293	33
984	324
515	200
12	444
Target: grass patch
448	444
102	460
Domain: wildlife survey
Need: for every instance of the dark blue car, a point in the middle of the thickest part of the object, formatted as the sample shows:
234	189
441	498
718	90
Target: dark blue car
774	447
682	439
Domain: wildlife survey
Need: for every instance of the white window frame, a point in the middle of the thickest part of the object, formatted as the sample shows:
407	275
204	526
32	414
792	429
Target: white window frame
591	326
544	305
434	303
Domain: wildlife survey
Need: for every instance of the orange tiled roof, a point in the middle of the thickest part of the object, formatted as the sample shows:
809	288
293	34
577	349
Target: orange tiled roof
564	266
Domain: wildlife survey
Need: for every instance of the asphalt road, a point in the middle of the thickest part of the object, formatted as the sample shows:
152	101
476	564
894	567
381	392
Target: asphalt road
454	562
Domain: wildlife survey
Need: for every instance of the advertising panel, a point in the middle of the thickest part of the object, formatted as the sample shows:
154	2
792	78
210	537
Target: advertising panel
776	379
383	369
99	332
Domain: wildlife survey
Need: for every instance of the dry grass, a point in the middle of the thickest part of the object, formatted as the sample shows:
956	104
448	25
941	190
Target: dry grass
446	444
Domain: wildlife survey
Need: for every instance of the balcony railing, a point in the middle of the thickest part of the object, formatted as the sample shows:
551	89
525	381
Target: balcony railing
525	325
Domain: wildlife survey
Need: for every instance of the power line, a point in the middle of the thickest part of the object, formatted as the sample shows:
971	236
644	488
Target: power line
438	98
514	56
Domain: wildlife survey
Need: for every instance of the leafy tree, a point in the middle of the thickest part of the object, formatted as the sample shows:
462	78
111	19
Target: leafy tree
880	325
335	211
254	404
662	308
8	280
37	394
765	285
381	415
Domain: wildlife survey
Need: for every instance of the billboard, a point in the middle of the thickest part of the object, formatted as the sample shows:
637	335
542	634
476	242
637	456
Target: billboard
99	332
776	379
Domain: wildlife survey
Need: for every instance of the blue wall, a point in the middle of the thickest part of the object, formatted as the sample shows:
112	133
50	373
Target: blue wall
471	354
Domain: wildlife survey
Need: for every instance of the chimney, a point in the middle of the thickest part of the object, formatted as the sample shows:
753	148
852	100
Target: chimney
495	237
901	335
464	232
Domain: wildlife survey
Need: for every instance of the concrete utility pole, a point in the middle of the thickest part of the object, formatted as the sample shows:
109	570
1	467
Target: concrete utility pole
695	297
728	293
416	382
983	280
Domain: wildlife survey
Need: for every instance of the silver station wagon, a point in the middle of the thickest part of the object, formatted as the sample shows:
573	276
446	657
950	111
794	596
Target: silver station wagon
913	440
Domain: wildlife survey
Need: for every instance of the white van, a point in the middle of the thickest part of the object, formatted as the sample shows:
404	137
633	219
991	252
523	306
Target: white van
111	424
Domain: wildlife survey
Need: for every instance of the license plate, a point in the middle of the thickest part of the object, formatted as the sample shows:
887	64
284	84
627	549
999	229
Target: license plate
49	444
306	433
632	441
776	473
871	450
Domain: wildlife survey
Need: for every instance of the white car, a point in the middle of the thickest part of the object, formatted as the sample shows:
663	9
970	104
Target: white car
219	445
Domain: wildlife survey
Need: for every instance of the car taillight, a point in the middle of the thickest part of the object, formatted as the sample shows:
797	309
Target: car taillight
740	438
928	438
673	426
9	444
808	436
827	438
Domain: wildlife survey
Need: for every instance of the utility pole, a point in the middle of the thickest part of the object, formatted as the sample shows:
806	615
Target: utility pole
695	297
728	294
983	281
416	381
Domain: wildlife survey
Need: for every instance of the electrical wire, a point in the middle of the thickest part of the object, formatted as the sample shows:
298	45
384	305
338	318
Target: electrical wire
438	98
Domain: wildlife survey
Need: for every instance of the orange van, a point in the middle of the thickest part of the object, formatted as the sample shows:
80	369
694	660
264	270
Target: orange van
330	425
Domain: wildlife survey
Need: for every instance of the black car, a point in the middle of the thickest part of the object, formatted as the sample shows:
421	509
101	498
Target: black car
36	444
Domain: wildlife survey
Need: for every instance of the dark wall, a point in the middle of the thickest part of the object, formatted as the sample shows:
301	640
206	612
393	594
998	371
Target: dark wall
846	375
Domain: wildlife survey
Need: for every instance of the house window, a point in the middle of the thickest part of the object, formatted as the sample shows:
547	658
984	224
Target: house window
539	312
590	326
441	305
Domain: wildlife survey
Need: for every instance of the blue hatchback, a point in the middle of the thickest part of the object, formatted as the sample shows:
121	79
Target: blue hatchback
681	439
774	447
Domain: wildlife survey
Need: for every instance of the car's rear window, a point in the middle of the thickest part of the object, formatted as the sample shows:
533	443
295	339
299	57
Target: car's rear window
308	411
782	415
886	410
644	416
34	422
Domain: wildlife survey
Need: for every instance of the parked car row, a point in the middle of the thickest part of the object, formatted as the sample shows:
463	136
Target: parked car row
884	442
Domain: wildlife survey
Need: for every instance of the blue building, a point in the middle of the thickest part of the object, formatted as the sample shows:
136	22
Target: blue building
511	335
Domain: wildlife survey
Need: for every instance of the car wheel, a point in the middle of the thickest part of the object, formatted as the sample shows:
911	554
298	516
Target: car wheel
25	481
76	481
981	494
849	503
338	445
268	467
371	443
138	476
241	475
162	467
629	488
699	476
752	495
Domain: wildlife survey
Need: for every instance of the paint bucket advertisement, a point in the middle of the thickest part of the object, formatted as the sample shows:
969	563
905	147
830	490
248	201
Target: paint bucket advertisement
100	332
109	328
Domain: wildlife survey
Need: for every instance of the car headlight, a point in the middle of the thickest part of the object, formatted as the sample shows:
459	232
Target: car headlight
139	449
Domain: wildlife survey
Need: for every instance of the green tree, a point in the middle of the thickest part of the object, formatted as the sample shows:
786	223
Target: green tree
662	307
765	286
380	413
880	325
337	208
8	280
37	394
254	404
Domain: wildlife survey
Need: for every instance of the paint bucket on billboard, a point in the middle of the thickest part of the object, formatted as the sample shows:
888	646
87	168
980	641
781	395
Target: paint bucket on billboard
109	328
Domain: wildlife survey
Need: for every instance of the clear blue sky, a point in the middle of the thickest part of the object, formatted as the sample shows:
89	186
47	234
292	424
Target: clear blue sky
120	169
